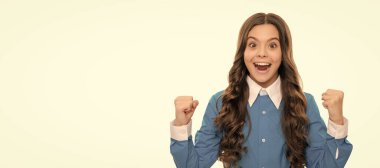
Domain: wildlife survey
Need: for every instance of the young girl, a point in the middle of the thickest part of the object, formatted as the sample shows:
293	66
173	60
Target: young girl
263	118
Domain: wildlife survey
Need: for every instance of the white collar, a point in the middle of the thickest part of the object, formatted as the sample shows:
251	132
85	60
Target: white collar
274	91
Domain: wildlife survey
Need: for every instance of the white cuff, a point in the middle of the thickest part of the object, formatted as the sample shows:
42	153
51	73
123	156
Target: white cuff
180	133
337	131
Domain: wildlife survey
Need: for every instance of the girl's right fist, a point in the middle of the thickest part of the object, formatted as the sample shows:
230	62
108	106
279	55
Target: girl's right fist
184	109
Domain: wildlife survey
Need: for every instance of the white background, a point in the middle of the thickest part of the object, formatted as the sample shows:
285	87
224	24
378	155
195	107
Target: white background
92	83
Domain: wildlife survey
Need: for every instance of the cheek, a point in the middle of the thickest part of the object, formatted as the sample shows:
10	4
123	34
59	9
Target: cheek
277	63
248	56
278	59
277	56
246	61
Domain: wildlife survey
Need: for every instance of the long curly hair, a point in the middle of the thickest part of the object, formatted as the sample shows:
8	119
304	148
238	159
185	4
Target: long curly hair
234	114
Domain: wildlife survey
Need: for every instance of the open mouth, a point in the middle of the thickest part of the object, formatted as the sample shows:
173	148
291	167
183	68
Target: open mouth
261	66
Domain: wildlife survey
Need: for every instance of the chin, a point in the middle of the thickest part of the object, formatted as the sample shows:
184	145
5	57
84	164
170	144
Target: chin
263	79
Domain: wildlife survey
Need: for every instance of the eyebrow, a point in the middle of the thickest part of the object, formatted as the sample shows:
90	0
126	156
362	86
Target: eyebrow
273	38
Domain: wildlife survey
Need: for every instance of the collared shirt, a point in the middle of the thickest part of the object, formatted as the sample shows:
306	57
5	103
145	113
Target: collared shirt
275	94
274	91
185	156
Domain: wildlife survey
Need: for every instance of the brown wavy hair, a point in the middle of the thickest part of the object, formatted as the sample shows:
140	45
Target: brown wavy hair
234	114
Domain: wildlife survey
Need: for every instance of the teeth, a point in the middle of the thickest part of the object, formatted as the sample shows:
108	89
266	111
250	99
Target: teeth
262	64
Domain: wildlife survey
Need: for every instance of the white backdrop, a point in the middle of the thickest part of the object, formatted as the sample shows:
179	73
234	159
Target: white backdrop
92	83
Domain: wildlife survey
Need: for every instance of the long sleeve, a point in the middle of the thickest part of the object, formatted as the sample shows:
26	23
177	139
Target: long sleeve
324	150
205	151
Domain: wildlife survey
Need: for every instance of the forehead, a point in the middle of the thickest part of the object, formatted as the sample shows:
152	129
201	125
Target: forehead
264	32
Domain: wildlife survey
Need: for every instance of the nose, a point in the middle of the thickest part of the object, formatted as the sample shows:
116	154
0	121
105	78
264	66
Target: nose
261	52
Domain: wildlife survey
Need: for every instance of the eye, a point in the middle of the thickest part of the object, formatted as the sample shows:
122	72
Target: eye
252	45
272	45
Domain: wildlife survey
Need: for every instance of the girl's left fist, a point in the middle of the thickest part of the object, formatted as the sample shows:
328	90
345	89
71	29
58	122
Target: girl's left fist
333	102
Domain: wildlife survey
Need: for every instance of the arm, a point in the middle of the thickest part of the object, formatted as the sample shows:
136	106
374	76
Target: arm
205	151
326	148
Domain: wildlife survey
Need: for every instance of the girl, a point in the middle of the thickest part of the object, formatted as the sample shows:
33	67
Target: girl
263	118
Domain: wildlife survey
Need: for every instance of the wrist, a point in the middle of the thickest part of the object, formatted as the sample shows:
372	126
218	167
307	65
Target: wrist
337	120
179	123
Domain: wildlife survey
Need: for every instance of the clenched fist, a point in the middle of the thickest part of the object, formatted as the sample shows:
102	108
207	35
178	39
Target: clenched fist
184	109
333	102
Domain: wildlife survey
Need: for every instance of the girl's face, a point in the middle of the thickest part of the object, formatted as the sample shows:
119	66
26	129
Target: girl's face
262	55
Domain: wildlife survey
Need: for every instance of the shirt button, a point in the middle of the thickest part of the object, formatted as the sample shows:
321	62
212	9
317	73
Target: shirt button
264	112
263	140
